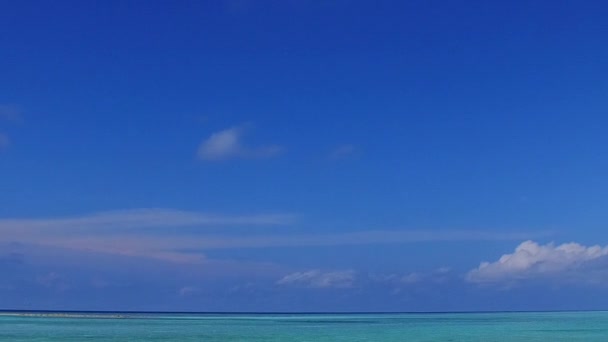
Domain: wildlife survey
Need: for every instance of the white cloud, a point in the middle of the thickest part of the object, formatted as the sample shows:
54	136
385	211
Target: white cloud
227	144
531	260
319	279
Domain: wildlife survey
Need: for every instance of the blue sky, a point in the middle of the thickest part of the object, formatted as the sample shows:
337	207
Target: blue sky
303	156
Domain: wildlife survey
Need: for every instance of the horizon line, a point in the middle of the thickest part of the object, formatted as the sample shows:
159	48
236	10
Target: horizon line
10	311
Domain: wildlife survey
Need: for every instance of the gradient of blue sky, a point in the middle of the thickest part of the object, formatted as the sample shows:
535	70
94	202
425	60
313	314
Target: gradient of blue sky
303	155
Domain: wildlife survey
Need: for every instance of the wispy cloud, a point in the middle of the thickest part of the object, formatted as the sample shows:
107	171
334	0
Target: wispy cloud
183	236
530	260
228	144
10	112
317	278
188	291
138	218
362	238
342	151
52	280
139	232
320	279
175	246
205	241
438	275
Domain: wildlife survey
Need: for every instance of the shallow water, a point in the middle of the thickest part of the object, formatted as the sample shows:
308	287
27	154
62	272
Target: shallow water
548	326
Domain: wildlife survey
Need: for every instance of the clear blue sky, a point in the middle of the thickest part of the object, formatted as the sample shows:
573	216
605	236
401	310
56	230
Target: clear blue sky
303	155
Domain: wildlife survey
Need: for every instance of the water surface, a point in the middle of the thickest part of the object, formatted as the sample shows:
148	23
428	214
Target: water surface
553	326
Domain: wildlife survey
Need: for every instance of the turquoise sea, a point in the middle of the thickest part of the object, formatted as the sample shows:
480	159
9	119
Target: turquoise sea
545	326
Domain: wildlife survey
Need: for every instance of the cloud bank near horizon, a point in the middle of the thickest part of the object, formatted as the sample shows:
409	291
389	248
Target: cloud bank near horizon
571	262
318	279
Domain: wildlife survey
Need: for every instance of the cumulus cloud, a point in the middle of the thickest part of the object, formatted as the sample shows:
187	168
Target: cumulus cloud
532	260
227	144
319	279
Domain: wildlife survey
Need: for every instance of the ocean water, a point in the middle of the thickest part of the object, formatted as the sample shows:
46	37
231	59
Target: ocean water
546	326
